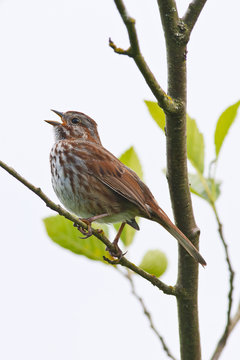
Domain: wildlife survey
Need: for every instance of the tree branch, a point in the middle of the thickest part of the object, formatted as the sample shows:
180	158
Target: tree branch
192	13
228	328
177	174
169	17
164	101
148	315
170	290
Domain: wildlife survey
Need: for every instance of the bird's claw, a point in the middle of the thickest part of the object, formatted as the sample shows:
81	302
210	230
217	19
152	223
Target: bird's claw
116	252
112	262
86	232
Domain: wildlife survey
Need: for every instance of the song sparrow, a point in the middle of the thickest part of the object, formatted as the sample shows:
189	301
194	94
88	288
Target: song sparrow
93	184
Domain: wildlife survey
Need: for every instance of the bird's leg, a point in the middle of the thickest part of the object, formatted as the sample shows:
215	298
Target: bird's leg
88	221
117	252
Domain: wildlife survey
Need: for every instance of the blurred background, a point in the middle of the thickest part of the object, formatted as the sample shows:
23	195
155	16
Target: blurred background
55	54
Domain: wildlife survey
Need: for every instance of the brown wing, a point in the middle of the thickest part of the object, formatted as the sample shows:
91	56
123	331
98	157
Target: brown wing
103	165
127	187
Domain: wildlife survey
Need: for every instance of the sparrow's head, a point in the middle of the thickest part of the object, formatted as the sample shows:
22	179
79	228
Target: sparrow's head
74	125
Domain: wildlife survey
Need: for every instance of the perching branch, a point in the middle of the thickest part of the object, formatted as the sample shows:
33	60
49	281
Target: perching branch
228	327
164	101
148	315
169	290
192	13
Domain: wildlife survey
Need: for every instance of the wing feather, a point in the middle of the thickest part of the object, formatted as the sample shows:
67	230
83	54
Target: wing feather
104	166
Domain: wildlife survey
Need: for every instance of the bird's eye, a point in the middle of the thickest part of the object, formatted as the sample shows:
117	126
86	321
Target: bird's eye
75	120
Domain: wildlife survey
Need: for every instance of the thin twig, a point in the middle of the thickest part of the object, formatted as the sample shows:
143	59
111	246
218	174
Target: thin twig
170	290
147	313
235	319
221	344
164	101
192	13
227	329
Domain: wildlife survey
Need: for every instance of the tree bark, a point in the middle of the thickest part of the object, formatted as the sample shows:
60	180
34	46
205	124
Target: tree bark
177	175
176	37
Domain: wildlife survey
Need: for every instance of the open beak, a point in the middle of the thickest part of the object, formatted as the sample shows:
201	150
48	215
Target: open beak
55	123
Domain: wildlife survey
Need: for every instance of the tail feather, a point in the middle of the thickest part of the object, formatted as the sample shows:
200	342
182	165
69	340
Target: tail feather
164	220
186	243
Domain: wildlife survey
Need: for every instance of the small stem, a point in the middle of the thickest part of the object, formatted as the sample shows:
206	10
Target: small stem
221	344
147	314
228	329
235	319
206	188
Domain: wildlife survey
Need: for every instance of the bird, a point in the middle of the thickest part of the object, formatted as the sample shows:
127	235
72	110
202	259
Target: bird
96	186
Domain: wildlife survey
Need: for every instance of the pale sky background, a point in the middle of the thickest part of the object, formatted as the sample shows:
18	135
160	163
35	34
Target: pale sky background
55	54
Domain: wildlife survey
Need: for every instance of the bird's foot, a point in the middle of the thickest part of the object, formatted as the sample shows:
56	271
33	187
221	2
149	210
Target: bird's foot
86	232
115	252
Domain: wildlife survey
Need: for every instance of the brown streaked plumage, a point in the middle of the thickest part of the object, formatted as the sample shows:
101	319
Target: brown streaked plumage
93	184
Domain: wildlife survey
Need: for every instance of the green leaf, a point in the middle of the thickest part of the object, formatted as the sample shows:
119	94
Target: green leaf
62	232
154	262
207	189
157	113
128	233
131	160
195	141
224	123
195	145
